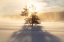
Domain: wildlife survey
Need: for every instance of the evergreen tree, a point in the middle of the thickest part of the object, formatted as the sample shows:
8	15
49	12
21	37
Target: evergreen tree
34	19
25	12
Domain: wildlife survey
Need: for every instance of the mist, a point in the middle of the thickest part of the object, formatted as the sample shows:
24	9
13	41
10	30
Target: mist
52	16
44	17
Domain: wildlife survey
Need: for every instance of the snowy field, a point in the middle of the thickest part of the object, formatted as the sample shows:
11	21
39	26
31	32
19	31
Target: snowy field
16	31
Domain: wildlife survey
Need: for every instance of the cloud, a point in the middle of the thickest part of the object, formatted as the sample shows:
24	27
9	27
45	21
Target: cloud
53	5
52	9
10	6
16	6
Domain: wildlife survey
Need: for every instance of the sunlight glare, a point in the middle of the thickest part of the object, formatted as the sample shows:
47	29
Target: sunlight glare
36	6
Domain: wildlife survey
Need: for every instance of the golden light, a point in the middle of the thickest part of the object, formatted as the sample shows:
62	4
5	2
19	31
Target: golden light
33	6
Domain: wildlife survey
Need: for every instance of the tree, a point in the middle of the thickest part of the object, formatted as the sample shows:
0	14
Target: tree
33	19
25	12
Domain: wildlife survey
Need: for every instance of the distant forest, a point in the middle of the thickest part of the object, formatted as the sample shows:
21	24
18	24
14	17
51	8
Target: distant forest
52	16
48	16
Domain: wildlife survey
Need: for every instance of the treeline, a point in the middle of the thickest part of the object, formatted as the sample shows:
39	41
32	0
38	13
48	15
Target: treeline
16	16
52	16
48	16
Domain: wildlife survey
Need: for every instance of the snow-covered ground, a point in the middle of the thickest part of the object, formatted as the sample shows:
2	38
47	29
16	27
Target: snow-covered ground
16	31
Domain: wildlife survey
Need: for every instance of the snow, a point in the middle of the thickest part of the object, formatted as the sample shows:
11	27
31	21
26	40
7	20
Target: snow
17	31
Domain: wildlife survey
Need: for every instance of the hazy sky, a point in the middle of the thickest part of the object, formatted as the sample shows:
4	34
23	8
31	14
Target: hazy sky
16	6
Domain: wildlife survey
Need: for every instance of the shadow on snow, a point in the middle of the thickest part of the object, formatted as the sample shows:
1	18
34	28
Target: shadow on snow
33	34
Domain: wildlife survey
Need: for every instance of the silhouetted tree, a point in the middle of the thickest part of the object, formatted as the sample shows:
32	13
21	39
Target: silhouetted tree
25	12
33	18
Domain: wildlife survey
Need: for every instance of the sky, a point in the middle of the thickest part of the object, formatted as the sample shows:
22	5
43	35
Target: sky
16	6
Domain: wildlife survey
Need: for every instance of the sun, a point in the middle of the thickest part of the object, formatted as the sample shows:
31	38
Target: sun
33	6
36	7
